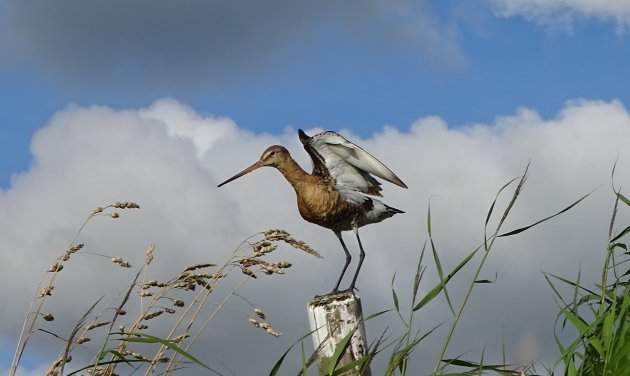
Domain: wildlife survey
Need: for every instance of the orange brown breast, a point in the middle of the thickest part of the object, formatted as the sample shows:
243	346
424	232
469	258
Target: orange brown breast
321	203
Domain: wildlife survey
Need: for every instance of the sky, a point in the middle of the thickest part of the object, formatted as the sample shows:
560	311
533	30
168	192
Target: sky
157	103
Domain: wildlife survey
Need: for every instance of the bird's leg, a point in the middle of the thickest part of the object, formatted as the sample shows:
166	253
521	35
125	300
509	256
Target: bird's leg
348	258
361	257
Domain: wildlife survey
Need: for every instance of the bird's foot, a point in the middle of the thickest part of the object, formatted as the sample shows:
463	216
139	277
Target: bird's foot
352	288
349	290
336	291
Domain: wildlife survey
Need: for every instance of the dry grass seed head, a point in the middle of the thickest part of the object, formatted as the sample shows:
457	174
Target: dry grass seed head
83	340
121	262
276	234
133	354
180	338
138	356
300	245
202	276
152	315
250	261
259	313
265	326
198	266
281	235
149	253
75	248
267	268
46	291
152	283
125	205
186	286
163	359
100	371
263	247
282	264
248	272
97	325
270	269
190	280
205	285
54	368
55	267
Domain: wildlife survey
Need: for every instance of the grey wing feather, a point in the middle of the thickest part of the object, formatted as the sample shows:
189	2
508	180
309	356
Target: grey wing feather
348	163
363	160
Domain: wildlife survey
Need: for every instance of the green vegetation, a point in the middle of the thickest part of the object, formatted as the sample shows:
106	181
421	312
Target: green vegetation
598	312
600	316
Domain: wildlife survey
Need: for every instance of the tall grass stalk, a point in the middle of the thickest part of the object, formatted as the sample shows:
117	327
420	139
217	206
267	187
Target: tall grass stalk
408	342
600	316
180	301
46	284
487	246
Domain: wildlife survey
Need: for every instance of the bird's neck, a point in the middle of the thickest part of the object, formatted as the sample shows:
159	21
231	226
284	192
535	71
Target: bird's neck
294	174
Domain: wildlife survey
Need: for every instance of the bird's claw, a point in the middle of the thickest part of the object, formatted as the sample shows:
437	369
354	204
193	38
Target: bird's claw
350	289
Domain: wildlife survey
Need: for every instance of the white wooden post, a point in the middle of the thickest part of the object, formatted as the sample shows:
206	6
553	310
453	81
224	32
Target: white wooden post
332	317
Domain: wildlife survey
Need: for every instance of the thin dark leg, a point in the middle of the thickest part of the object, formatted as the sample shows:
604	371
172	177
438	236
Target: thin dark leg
361	257
348	258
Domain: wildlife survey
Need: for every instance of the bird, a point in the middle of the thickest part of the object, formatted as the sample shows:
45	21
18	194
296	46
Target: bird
339	194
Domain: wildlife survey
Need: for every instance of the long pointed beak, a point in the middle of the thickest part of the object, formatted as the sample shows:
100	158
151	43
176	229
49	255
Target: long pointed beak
244	172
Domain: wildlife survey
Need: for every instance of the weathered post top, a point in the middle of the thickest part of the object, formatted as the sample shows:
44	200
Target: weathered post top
332	317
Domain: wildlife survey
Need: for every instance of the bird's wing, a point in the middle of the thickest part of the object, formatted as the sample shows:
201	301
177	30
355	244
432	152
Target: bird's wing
348	164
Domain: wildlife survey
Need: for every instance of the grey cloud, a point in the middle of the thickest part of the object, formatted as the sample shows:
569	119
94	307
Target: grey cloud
151	37
161	43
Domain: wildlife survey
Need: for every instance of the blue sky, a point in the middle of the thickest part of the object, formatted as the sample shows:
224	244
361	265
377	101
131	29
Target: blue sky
155	102
481	65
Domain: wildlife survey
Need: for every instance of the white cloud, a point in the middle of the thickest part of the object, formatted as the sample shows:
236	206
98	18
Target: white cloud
202	131
560	14
169	158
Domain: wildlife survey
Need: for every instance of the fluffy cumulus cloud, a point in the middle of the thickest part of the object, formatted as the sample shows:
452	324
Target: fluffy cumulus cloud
562	13
169	159
159	42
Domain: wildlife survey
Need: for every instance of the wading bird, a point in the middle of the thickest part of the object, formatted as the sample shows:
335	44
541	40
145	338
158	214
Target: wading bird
336	195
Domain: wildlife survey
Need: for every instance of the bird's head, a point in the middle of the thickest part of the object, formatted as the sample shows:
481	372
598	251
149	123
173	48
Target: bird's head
274	156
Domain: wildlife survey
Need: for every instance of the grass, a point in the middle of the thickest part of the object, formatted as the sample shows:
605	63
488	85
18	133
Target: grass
597	312
600	314
185	304
587	355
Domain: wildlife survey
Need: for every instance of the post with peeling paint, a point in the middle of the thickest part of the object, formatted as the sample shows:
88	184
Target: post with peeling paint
332	317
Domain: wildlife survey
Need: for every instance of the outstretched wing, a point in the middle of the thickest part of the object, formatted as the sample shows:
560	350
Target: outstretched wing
349	165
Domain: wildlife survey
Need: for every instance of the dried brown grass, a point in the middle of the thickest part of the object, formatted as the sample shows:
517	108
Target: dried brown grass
184	303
